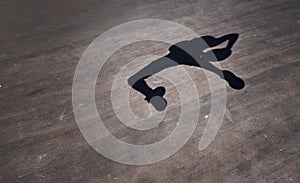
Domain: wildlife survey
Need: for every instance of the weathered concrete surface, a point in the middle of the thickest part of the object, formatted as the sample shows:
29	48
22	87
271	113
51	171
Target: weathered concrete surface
42	41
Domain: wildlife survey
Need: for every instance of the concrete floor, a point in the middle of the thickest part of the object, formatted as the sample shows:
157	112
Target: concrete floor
42	41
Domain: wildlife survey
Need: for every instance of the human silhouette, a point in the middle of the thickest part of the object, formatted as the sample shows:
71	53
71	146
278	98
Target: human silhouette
185	53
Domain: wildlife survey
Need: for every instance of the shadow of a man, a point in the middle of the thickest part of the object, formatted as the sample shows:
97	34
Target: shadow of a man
190	53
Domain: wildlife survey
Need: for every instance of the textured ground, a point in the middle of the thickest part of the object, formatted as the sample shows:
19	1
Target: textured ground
42	41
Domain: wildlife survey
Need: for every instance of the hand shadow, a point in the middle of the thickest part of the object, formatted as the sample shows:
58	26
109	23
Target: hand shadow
190	53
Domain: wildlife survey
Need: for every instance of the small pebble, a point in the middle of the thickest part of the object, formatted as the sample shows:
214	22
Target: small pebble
206	116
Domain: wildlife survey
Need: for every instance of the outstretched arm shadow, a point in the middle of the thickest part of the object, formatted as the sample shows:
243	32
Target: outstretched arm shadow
184	53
